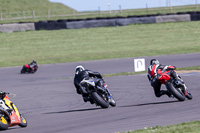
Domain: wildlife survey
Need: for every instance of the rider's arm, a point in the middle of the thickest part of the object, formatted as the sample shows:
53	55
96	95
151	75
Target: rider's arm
170	67
95	74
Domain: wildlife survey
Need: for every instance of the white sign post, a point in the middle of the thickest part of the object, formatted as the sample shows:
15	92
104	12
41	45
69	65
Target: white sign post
139	65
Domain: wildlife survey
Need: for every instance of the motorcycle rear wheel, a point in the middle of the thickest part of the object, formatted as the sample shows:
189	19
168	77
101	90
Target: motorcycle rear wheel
175	92
99	100
3	123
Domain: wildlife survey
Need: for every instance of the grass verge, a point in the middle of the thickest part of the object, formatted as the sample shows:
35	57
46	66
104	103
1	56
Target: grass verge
98	43
143	72
133	73
188	127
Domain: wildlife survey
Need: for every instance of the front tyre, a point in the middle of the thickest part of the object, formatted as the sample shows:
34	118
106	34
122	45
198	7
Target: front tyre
188	95
23	122
23	70
175	92
99	100
3	123
112	102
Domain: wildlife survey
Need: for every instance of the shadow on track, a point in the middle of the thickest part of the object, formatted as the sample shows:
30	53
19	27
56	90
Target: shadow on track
77	110
153	103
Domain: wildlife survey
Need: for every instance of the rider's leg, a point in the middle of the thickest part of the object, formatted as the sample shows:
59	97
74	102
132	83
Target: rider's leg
158	93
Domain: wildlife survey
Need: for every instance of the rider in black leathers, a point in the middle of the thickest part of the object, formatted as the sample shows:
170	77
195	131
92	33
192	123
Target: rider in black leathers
82	73
32	64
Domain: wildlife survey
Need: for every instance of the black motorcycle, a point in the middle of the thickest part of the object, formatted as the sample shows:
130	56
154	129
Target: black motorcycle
98	94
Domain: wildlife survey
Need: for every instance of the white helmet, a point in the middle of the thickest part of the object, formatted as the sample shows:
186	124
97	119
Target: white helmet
79	69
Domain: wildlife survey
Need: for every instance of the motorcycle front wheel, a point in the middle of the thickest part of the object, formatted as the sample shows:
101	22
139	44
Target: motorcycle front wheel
189	95
99	100
112	102
23	70
3	123
23	122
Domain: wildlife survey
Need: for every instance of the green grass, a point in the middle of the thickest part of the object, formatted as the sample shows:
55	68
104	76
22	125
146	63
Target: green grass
189	127
14	8
190	68
133	73
41	8
98	43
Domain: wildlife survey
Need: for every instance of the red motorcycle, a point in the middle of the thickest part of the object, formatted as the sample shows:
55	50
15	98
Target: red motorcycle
27	69
179	91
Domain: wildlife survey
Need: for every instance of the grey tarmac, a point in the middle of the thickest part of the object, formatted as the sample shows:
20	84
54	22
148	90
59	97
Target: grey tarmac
50	104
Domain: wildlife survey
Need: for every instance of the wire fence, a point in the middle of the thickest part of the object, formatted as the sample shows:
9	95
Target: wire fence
73	14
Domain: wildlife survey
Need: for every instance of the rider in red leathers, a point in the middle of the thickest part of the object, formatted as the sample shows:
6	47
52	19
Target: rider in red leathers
153	73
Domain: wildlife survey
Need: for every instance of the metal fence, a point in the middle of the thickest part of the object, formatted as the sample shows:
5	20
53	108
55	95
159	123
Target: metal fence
62	13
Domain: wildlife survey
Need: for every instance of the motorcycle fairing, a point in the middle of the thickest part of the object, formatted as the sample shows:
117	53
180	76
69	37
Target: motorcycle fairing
27	66
14	119
12	106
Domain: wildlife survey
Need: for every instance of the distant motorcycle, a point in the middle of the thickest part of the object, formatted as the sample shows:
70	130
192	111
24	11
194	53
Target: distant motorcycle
9	114
178	91
97	94
27	69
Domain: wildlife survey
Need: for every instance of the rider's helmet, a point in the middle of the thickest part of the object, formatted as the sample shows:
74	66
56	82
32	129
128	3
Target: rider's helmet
34	61
154	62
2	94
79	69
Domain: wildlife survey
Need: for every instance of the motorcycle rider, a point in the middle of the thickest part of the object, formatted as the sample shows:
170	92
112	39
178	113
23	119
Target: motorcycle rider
2	102
153	74
32	64
82	73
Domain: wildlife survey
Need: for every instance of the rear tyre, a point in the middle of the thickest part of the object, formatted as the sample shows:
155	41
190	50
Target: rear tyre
23	122
3	123
99	100
175	92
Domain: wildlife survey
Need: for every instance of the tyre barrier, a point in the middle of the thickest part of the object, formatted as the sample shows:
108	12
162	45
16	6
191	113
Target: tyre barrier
135	20
91	24
101	22
50	25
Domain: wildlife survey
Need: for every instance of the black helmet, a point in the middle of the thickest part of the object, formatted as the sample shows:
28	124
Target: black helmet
79	69
34	61
2	94
154	62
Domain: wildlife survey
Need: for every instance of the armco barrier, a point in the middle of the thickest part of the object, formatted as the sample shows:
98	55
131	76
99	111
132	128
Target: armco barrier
16	27
100	22
173	18
91	23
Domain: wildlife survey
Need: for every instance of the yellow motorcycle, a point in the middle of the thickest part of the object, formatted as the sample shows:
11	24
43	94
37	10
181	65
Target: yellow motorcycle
9	114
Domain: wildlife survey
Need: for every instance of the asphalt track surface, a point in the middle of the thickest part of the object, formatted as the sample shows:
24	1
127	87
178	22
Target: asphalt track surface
49	102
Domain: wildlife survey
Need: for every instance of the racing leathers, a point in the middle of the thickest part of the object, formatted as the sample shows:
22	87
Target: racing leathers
153	74
31	65
86	74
